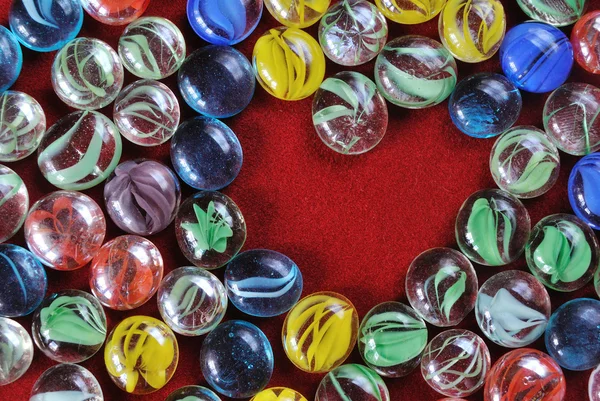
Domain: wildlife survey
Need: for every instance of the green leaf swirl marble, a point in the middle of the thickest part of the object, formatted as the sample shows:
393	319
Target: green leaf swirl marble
352	382
22	125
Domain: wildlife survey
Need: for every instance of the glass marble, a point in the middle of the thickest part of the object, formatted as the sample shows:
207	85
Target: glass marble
455	363
279	394
206	153
492	227
525	162
352	382
349	113
217	81
441	285
288	63
352	32
224	23
23	281
263	283
415	72
586	44
80	150
142	196
297	13
192	301
536	57
69	326
115	12
65	229
126	272
527	375
554	12
584	190
66	382
320	332
14	203
391	339
22	125
512	308
193	393
563	252
45	25
17	351
11	59
570	118
236	359
572	334
594	385
87	74
411	11
485	105
141	354
472	30
210	229
152	48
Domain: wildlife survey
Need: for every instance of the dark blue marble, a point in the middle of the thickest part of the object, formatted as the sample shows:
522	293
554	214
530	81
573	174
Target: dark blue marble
237	359
584	189
217	81
11	59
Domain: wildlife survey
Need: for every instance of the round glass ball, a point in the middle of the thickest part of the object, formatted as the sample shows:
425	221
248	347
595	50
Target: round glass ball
17	351
583	189
14	203
67	380
11	59
22	125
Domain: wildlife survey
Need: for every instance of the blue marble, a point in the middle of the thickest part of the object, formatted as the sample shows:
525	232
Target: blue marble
536	57
573	334
224	22
11	59
45	25
485	105
206	154
237	359
23	281
263	283
217	81
584	189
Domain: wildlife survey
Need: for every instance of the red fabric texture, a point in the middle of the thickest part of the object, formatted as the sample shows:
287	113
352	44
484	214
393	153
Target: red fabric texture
352	223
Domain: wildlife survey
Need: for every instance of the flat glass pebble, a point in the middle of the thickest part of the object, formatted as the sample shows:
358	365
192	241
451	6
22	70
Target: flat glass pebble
66	382
192	301
263	283
554	12
11	59
536	57
240	350
563	252
17	351
206	153
80	150
142	196
594	385
320	332
570	118
485	105
349	113
441	285
352	382
415	72
147	113
512	309
584	190
87	74
492	227
525	162
69	326
297	13
65	229
115	12
210	229
586	44
472	30
288	63
193	393
141	355
455	363
391	339
279	394
14	203
352	32
22	125
217	81
152	48
224	22
411	11
45	25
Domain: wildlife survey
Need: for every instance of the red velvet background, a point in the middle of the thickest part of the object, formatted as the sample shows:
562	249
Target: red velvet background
352	224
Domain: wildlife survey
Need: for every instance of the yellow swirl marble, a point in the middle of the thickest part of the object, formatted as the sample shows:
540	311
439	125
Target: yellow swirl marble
279	394
410	11
297	13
